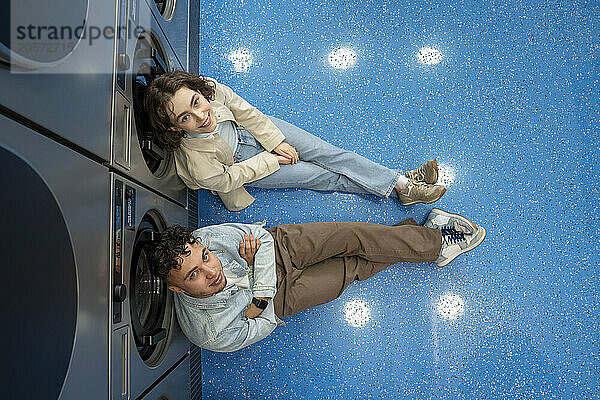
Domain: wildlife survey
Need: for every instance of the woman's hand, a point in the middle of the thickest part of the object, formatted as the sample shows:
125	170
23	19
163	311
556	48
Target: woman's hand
282	159
248	248
287	151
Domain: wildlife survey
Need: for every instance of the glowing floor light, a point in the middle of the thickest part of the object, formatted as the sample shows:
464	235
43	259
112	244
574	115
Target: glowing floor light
342	58
241	59
446	174
429	56
450	306
357	313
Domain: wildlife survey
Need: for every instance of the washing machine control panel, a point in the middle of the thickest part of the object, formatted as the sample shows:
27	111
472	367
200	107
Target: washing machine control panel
130	208
117	246
123	218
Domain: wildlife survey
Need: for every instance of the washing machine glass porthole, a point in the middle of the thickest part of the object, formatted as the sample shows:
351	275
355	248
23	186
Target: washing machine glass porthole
149	63
39	294
166	8
39	34
151	302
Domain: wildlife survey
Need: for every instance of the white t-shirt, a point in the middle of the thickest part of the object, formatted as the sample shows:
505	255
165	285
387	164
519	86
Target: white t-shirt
226	129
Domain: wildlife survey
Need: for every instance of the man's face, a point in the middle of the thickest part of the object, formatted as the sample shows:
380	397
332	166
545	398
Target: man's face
201	273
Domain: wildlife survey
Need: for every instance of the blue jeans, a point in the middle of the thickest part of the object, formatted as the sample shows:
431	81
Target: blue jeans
322	166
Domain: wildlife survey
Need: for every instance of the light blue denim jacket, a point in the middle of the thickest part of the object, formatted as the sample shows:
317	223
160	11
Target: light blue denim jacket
217	322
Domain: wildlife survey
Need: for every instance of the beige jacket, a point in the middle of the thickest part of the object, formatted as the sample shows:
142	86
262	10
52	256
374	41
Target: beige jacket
207	163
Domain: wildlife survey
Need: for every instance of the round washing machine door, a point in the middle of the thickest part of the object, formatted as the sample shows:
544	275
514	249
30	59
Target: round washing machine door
40	34
166	8
149	62
151	302
39	299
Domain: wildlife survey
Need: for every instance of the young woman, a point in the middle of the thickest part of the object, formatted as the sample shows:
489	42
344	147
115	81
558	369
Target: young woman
221	143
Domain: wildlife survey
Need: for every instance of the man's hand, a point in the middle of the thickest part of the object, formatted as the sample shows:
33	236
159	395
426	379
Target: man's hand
287	151
252	311
248	248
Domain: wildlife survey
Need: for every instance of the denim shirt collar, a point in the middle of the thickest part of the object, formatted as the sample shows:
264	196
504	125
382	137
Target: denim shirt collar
192	135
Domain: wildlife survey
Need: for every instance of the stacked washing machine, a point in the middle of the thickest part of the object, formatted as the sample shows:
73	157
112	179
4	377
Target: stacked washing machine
86	190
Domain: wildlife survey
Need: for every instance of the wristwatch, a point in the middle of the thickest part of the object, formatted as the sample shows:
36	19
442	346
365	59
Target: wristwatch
262	304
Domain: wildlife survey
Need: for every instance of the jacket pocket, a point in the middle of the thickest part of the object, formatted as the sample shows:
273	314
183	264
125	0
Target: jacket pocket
230	264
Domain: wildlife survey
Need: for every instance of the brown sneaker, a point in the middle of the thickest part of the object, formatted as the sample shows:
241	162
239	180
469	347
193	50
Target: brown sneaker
419	192
427	172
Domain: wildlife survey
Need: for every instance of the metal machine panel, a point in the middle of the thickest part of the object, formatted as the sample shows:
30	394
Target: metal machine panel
173	17
174	386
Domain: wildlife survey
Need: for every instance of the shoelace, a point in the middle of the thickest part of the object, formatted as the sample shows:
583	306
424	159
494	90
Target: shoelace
419	174
415	185
451	235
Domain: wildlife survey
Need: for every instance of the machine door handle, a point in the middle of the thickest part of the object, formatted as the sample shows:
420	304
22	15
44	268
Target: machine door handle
124	62
148	236
160	63
149	150
120	293
153	337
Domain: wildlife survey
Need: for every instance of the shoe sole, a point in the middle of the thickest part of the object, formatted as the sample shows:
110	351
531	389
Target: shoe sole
425	202
437	173
468	249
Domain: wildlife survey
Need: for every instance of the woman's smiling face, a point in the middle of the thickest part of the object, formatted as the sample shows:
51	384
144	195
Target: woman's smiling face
191	112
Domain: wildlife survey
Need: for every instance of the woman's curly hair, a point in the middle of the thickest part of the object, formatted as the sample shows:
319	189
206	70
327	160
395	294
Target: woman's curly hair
158	107
167	253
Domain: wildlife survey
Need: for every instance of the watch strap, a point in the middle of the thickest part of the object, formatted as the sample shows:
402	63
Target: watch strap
262	304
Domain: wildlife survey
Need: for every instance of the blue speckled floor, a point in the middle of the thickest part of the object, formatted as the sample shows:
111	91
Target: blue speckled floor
511	113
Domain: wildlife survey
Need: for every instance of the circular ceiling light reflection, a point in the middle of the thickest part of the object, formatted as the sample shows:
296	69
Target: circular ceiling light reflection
429	56
342	58
357	313
446	174
241	59
450	306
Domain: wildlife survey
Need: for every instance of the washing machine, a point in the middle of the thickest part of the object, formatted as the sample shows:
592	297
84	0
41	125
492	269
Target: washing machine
173	17
54	244
56	69
146	341
142	53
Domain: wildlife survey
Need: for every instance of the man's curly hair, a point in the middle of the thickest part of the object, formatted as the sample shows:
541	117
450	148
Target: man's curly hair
168	252
158	107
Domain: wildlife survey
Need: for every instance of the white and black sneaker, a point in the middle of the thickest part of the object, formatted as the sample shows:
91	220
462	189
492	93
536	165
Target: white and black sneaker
459	235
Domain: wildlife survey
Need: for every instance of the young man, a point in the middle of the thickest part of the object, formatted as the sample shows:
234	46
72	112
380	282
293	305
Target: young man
233	281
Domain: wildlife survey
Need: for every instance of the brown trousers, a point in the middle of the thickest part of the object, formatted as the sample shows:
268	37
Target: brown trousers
317	261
